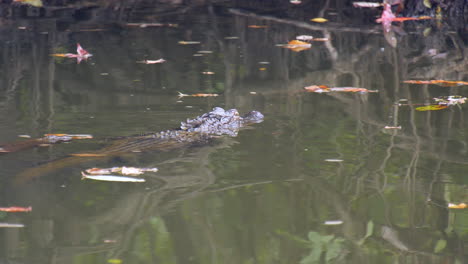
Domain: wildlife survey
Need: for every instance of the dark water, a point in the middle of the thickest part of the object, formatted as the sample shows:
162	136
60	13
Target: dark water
265	196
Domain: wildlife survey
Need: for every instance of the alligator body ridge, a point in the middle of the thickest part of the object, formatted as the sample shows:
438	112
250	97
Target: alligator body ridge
210	125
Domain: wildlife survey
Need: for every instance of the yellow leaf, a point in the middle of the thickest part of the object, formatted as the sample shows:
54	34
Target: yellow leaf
319	20
427	3
114	261
457	206
431	107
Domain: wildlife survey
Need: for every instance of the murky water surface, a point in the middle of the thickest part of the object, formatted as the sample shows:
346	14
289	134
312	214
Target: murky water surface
321	180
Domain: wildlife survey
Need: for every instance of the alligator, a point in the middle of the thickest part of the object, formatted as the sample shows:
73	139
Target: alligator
200	130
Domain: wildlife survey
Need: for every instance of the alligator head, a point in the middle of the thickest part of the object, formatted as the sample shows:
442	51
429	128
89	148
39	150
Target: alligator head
221	122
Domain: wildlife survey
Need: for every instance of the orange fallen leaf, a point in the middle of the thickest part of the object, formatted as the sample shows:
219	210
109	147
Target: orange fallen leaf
319	20
431	108
457	206
262	69
438	82
14	209
297	45
257	26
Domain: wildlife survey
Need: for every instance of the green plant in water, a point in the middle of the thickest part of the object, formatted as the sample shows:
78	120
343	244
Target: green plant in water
329	248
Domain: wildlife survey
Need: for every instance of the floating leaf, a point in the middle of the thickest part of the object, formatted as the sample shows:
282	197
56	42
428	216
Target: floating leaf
183	42
11	225
326	89
431	107
114	261
297	45
88	155
319	20
438	82
427	3
122	170
112	178
440	245
152	61
208	73
35	3
81	54
15	209
304	37
367	4
73	136
257	26
450	100
457	206
333	222
197	95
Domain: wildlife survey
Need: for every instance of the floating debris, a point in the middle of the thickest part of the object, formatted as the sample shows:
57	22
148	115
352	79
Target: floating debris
144	25
183	42
450	100
392	127
252	92
82	54
112	178
11	225
437	82
304	37
334	160
333	222
431	108
197	95
319	20
367	4
457	206
296	45
262	69
208	73
72	136
233	37
257	26
24	136
152	61
35	3
88	155
264	62
205	51
15	209
326	89
122	170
